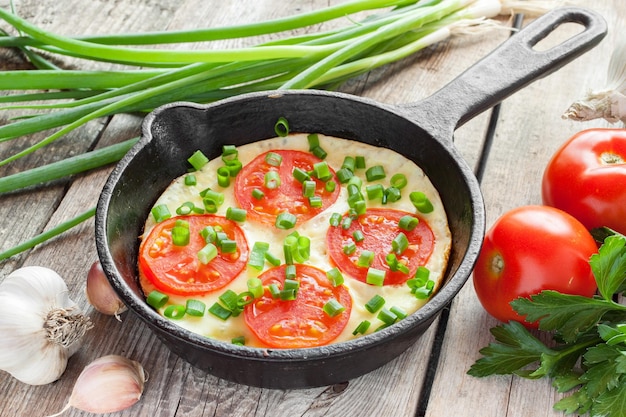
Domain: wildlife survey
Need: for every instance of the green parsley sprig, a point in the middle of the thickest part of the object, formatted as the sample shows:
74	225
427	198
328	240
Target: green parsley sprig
587	358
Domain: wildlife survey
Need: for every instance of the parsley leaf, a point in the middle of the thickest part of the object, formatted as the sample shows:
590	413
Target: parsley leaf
609	265
569	315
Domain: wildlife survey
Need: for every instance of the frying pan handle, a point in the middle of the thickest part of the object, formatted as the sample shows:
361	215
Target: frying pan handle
510	67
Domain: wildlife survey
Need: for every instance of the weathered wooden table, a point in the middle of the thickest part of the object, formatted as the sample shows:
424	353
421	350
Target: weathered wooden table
430	378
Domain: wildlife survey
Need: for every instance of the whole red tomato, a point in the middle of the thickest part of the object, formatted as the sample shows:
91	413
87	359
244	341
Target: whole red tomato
530	249
586	177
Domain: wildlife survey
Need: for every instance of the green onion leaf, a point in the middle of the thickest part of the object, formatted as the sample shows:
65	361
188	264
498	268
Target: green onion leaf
398	181
236	214
400	243
335	277
257	193
220	312
387	317
190	180
362	327
273	159
366	258
335	219
271	180
285	220
408	223
255	287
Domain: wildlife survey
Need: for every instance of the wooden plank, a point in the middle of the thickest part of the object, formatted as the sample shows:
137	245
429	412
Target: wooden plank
530	129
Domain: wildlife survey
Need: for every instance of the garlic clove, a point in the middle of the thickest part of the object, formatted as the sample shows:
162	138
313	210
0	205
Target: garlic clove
101	294
108	384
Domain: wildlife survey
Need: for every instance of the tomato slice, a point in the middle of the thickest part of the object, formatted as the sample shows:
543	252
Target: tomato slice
177	269
302	322
379	227
289	195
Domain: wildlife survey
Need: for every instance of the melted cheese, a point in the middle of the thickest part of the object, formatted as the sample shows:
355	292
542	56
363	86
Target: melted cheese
210	326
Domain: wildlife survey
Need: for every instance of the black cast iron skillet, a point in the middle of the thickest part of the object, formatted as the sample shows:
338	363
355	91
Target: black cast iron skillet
421	131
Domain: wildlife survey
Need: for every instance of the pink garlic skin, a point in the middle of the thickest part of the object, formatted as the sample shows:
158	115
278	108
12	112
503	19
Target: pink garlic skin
100	294
108	384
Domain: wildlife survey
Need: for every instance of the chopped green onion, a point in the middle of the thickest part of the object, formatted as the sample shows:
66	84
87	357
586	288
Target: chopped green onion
421	202
198	160
399	312
346	222
223	177
308	188
357	235
287	294
257	193
180	233
229	153
316	201
313	141
374	191
398	181
228	245
212	200
274	290
349	248
274	159
220	312
285	220
387	317
190	180
236	214
319	152
375	277
234	167
290	283
356	181
375	303
255	286
160	213
256	259
304	248
349	163
157	299
362	327
207	253
333	308
400	243
394	264
195	308
344	175
376	172
209	234
281	127
359	207
393	194
422	273
366	258
335	277
239	340
321	171
408	223
244	299
300	175
360	162
174	311
271	180
335	219
275	261
187	208
290	272
230	299
330	186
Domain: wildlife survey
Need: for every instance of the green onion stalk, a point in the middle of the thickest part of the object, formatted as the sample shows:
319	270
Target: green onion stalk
393	30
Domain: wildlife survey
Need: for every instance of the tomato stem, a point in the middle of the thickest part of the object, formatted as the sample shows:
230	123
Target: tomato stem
497	264
610	158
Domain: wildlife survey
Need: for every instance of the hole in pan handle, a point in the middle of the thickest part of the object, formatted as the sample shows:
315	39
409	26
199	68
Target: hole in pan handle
509	68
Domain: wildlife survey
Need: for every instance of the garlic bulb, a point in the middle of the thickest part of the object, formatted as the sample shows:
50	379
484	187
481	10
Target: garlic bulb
609	103
41	326
108	384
